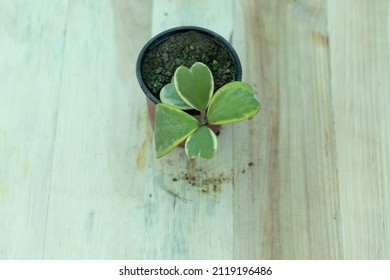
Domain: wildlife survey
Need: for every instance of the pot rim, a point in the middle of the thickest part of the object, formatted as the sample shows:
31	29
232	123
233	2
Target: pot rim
156	40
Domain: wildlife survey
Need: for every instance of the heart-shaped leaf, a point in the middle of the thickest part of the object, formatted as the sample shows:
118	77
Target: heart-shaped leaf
169	95
233	102
202	143
195	86
172	126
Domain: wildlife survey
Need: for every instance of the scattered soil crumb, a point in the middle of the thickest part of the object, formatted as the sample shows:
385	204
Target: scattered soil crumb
203	181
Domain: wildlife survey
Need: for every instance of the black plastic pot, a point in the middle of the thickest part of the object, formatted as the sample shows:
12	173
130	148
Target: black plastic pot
158	39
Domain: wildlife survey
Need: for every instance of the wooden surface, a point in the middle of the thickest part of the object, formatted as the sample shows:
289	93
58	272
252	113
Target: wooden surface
307	178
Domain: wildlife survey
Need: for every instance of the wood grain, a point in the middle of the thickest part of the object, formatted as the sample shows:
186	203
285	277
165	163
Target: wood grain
361	88
286	190
31	58
216	15
306	178
97	185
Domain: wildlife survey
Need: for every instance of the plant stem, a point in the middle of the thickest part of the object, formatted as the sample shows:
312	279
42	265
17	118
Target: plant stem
203	118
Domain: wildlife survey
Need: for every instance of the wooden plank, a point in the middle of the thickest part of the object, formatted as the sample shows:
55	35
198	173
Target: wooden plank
360	77
189	214
78	177
100	164
32	39
215	15
286	190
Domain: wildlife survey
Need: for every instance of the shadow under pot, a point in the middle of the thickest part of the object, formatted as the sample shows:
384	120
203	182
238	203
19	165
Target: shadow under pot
159	58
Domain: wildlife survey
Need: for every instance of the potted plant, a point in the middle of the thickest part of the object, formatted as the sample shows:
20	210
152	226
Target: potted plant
190	107
184	45
194	89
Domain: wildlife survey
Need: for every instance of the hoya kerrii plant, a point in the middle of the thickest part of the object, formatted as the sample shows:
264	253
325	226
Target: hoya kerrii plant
194	89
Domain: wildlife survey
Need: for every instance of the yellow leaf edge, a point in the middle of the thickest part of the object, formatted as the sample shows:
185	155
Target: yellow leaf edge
163	152
181	95
215	145
246	116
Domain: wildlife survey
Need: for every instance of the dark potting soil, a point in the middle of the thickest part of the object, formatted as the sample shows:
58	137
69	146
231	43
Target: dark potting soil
186	48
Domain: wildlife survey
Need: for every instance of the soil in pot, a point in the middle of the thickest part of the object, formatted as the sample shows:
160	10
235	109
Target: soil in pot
186	48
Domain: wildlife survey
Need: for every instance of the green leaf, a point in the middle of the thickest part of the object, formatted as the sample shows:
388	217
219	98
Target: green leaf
233	102
202	143
169	95
172	126
195	86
